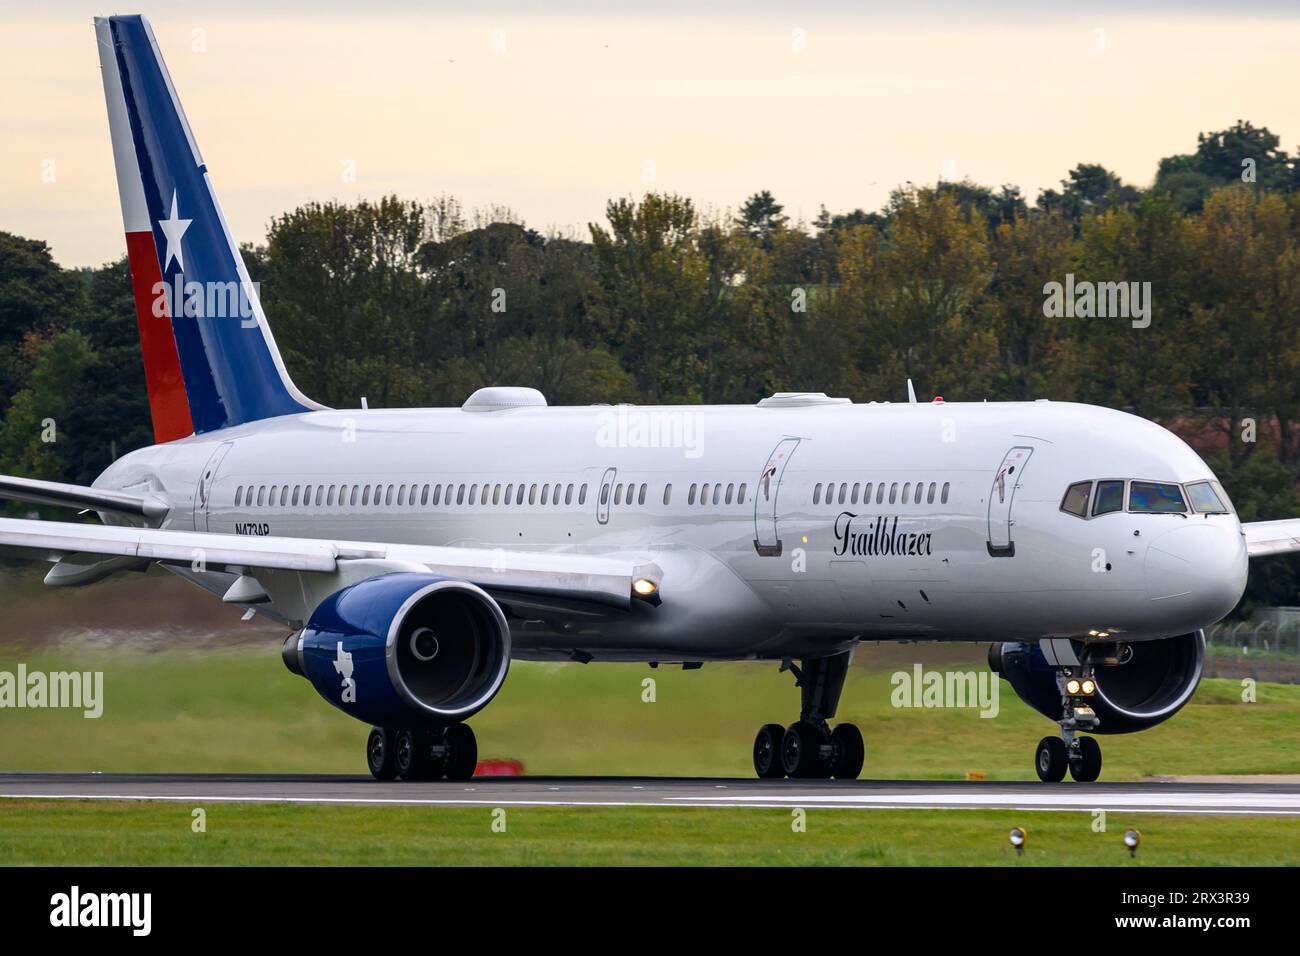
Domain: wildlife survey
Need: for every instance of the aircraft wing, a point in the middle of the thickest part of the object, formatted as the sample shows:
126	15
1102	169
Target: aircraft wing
552	582
1271	537
79	496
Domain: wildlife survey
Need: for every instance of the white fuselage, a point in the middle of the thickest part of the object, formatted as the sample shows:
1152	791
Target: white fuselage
781	573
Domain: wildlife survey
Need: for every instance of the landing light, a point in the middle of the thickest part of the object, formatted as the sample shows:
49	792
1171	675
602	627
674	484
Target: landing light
1017	838
1132	838
1072	686
1089	687
646	590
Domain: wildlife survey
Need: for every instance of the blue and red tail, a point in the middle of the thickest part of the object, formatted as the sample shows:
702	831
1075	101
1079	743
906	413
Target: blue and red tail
210	359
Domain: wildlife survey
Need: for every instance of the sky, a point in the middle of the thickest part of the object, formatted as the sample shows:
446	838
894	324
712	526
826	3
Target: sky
552	109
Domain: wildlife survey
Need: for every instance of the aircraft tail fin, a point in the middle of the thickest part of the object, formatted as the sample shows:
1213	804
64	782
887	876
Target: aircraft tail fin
210	359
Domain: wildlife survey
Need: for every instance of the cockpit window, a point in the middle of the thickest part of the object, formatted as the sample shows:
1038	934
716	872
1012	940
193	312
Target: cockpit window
1150	496
1110	497
1204	499
1075	501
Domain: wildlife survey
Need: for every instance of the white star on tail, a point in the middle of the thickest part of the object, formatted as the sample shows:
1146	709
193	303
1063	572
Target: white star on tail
173	229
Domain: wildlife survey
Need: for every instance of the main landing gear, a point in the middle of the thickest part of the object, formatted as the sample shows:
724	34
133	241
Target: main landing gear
809	748
1080	755
422	753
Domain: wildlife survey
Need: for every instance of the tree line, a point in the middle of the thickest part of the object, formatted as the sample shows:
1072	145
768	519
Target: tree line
418	303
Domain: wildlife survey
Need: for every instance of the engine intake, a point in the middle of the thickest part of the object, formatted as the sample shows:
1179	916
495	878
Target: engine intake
1139	685
405	649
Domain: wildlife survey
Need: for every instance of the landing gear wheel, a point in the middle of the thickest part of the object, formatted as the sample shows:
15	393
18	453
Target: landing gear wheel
767	752
462	752
1050	760
379	754
849	752
1085	763
802	750
413	756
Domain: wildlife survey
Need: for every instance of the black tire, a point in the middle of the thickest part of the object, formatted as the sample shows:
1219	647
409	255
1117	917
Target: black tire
801	751
462	752
379	754
850	752
767	752
1085	767
1050	760
412	756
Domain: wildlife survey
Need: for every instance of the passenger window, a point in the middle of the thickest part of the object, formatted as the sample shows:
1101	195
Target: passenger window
740	495
532	494
844	488
329	497
717	493
239	495
568	494
893	492
284	496
640	499
943	498
853	498
817	493
320	495
401	494
582	495
704	493
907	489
352	497
920	488
618	493
880	493
1205	500
731	487
519	494
668	493
365	495
1150	496
424	496
1109	497
929	498
1075	501
866	493
690	496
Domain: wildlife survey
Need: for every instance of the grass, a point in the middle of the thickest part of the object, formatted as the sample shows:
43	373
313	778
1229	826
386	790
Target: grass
239	710
34	832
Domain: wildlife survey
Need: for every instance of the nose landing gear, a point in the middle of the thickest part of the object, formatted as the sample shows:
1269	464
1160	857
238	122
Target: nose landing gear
1080	755
809	748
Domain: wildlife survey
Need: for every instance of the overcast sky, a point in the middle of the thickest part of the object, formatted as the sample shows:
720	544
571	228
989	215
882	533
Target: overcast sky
552	114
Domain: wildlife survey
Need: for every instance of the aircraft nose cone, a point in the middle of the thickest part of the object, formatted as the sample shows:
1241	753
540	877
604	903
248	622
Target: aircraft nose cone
1199	569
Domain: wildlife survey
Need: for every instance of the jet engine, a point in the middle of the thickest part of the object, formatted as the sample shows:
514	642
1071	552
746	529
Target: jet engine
1138	685
404	649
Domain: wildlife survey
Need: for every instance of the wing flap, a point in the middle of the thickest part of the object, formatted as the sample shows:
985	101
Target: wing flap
63	495
565	577
1271	537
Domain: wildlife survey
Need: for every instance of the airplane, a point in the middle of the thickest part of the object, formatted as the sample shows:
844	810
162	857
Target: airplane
413	553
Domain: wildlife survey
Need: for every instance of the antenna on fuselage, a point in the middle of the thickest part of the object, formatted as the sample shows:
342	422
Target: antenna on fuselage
911	392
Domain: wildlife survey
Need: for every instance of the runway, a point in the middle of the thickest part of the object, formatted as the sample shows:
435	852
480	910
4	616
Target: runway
1253	798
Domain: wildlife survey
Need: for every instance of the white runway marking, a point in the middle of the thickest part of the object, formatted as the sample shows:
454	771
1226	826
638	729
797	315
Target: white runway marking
1098	800
196	789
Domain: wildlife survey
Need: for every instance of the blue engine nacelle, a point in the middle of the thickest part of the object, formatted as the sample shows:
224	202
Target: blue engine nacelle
404	650
1139	684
